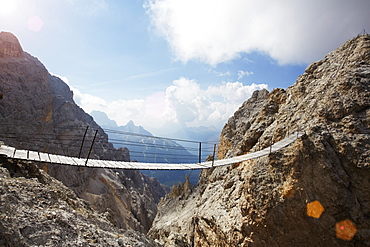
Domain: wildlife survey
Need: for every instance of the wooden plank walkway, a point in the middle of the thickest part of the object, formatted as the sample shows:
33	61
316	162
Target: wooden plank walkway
11	152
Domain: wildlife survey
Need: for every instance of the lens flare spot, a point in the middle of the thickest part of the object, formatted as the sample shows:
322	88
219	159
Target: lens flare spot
35	24
345	230
315	209
7	7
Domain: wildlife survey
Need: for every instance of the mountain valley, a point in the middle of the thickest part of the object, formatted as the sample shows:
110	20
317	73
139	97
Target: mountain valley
144	147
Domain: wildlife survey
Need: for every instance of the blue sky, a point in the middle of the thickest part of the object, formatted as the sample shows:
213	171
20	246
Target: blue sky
179	63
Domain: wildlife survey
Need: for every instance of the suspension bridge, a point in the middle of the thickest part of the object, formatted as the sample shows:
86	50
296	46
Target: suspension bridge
28	155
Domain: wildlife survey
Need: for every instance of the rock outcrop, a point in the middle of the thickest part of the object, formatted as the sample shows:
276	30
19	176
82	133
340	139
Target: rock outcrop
37	112
9	45
38	210
311	193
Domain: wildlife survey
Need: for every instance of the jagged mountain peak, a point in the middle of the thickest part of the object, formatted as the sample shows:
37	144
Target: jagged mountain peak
130	123
266	201
9	45
329	90
102	119
37	112
137	129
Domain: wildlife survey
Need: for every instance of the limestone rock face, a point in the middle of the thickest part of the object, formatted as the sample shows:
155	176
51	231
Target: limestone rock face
37	112
38	210
235	137
266	201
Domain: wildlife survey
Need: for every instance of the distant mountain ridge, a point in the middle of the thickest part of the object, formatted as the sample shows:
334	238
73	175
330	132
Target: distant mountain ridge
105	121
144	147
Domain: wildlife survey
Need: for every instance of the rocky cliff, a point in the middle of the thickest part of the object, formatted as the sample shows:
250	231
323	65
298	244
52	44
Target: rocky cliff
311	193
37	112
38	210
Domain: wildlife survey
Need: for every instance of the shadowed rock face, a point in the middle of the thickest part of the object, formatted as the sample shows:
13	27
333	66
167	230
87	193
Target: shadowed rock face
263	202
37	112
38	210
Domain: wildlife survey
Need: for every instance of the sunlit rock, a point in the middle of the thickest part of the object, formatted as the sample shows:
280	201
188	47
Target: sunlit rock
263	202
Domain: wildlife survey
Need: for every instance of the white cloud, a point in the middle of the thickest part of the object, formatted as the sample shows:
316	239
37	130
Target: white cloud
189	103
119	110
89	7
182	102
241	74
218	73
223	74
87	101
289	31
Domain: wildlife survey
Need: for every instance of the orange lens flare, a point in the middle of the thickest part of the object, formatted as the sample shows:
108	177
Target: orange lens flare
345	230
315	209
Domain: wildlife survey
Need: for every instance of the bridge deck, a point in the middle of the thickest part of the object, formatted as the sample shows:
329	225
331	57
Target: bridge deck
11	152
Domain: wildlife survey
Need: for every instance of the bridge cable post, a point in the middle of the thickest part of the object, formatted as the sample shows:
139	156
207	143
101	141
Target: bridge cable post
83	140
287	131
297	131
200	152
92	144
214	152
271	142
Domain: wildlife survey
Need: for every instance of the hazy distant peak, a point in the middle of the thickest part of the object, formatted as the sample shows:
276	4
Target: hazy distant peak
130	124
102	119
132	128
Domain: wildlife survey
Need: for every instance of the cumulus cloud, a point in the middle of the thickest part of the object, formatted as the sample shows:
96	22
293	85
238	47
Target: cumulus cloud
187	102
119	110
289	31
182	102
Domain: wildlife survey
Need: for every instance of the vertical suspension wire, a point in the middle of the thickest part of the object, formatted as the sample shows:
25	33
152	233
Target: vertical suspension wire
91	147
82	143
200	152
